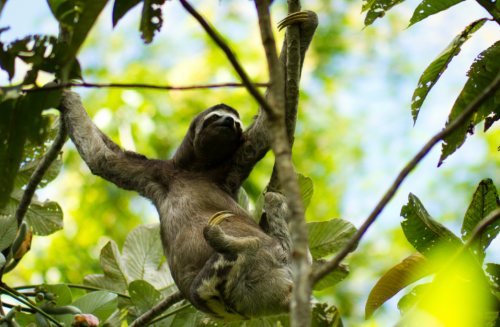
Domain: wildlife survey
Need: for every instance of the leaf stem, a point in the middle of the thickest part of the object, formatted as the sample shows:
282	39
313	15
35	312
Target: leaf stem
326	268
169	314
84	287
34	307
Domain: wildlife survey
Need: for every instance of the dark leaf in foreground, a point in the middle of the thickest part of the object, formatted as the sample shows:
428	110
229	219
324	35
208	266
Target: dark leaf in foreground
431	7
482	72
377	9
432	73
151	20
121	7
484	201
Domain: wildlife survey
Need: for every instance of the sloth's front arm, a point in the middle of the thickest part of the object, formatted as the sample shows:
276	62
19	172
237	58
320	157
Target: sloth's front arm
126	169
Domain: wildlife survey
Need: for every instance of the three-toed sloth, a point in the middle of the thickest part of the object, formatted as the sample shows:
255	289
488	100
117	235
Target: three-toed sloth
219	257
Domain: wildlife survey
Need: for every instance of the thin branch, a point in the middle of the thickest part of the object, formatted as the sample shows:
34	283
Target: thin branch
141	86
173	312
83	287
147	318
326	268
37	176
10	306
230	55
34	307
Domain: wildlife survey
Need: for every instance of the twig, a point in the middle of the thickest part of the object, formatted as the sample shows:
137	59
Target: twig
16	292
230	55
146	319
326	268
41	169
34	307
300	312
84	287
141	86
173	312
8	305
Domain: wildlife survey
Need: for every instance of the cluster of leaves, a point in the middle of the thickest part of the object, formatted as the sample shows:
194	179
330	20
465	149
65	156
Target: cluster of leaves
460	290
482	72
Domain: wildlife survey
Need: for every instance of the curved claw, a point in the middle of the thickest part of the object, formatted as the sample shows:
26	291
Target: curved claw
295	18
219	217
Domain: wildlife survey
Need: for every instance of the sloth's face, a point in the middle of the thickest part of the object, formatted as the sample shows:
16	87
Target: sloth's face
218	134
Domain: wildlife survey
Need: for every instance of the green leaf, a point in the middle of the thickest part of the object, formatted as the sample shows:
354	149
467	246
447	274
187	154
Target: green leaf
432	73
243	199
306	189
113	265
323	315
151	20
377	9
409	300
2	260
413	268
163	280
64	296
67	12
121	8
102	281
90	11
101	304
431	7
28	168
12	139
42	218
493	270
259	205
333	278
142	252
328	237
427	235
8	231
481	74
25	319
484	201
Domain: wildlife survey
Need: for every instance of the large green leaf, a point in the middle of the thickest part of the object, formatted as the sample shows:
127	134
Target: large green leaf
42	218
142	252
25	319
482	72
151	20
259	205
12	139
427	235
101	304
243	199
26	170
493	270
333	278
102	281
413	268
163	280
431	7
432	73
409	300
64	296
121	7
377	9
113	265
8	231
327	237
324	315
484	201
306	189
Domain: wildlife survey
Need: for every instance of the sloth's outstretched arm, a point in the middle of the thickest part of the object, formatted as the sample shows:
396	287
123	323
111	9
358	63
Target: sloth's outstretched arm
256	138
128	170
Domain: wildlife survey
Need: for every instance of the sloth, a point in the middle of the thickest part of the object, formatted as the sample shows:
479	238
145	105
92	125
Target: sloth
220	258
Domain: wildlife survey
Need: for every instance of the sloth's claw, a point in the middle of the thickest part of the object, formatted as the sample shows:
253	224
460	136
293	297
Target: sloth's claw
219	217
295	18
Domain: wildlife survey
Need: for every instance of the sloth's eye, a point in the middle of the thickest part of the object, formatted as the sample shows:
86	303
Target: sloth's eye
215	117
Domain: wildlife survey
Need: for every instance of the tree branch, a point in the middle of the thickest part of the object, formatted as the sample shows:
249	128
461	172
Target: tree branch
280	142
140	86
157	310
328	267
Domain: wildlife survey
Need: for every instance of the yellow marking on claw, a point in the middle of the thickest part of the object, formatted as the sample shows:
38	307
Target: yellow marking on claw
219	217
298	17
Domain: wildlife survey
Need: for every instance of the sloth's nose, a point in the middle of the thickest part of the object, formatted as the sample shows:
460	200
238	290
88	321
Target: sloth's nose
228	121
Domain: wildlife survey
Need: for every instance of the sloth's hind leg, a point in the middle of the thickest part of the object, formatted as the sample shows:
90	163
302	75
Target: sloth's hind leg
213	290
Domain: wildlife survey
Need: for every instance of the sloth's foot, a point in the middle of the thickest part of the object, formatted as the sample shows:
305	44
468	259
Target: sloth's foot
219	217
223	243
295	18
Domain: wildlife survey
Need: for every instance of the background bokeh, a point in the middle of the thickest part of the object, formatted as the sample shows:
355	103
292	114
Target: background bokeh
355	131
